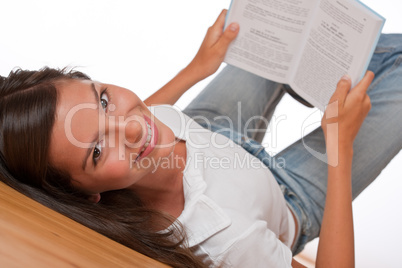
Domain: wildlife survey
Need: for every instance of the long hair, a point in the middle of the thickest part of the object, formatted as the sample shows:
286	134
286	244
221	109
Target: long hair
28	102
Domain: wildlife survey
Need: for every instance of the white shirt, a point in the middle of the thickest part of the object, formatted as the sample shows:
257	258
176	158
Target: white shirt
234	213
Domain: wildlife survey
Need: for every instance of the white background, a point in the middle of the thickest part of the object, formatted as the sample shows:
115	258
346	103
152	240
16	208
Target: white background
142	44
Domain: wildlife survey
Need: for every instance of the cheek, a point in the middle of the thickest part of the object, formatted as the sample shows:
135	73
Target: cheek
126	99
118	169
120	173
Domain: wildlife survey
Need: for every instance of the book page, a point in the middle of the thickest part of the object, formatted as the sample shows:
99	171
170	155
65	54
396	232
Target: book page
340	42
270	35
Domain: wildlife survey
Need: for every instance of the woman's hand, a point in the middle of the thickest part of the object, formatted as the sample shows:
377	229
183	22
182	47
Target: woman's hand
213	48
206	62
346	112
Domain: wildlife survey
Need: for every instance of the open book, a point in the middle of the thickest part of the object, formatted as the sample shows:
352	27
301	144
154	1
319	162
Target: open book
308	44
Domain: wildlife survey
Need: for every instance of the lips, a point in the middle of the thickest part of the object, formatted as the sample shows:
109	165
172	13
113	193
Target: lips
151	139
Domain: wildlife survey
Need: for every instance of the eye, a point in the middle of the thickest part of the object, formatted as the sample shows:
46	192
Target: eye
97	152
104	99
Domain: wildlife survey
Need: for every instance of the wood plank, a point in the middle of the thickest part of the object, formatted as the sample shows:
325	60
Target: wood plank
32	235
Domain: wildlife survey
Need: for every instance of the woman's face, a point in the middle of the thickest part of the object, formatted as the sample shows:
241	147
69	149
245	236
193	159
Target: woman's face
105	137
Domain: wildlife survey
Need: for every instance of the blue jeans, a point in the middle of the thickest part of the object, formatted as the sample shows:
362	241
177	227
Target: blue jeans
239	105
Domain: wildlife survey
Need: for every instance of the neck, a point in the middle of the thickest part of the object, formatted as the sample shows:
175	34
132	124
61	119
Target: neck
163	189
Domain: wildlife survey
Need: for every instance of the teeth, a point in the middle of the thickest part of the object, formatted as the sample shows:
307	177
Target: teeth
149	136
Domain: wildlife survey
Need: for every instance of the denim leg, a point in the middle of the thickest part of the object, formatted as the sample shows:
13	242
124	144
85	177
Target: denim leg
377	142
237	100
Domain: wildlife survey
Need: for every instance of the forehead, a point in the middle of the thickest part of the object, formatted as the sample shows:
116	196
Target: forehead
76	122
73	92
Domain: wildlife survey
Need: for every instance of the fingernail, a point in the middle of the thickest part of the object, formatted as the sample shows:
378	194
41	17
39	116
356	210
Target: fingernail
233	27
346	77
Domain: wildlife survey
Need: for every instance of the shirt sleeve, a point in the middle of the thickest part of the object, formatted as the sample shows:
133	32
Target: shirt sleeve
257	247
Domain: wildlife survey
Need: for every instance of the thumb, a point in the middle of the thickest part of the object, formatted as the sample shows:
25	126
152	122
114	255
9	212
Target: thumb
229	35
366	81
342	89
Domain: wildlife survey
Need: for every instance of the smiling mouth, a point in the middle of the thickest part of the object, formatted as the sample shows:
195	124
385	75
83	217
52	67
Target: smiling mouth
149	136
147	142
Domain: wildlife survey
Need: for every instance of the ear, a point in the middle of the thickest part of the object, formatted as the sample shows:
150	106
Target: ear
94	198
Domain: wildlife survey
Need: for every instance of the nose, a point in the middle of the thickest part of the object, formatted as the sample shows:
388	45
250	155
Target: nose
126	131
133	130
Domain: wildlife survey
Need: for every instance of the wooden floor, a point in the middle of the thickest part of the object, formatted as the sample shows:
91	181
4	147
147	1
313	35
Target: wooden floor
32	235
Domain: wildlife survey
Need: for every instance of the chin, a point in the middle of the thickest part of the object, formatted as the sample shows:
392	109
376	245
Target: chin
166	140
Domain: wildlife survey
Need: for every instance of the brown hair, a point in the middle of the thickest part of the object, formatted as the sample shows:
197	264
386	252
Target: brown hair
28	101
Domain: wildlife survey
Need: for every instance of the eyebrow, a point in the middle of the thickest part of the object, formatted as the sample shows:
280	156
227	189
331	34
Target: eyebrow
96	136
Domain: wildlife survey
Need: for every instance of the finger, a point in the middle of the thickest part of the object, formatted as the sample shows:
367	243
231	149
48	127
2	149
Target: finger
216	30
364	84
342	89
228	36
220	21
